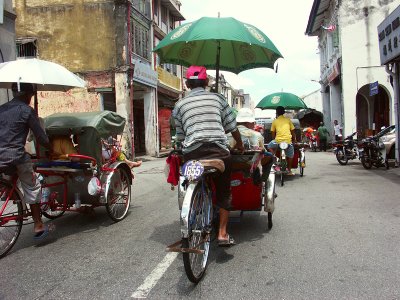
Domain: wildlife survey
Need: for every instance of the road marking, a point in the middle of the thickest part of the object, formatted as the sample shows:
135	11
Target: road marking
151	280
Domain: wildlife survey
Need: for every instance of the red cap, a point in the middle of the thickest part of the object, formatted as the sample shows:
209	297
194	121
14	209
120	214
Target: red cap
196	72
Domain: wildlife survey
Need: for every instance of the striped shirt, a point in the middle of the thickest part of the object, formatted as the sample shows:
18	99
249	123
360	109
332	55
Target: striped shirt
203	117
16	118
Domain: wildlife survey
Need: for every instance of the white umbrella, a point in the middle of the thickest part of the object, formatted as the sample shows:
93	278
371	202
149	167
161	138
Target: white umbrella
45	75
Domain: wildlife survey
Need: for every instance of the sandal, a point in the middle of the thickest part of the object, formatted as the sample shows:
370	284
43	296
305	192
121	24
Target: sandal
226	242
45	232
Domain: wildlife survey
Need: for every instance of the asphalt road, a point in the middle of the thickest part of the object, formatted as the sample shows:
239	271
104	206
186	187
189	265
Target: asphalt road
335	236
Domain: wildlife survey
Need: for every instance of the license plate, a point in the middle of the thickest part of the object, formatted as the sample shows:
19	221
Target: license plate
192	170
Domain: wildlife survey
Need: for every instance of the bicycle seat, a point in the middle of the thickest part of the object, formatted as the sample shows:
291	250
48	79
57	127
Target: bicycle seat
213	163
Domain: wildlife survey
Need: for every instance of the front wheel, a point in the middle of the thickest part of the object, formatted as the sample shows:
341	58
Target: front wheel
11	219
341	157
366	162
282	179
270	220
119	195
199	231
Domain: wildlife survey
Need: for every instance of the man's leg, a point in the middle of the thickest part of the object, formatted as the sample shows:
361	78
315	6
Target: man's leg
31	187
223	223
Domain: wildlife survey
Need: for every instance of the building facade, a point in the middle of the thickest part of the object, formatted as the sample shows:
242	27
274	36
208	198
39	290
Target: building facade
355	88
7	40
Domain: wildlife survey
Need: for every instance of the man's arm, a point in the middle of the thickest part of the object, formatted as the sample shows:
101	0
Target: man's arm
293	136
273	134
38	131
238	140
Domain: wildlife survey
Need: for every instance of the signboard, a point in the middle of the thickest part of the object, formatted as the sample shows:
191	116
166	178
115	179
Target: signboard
143	73
389	37
373	88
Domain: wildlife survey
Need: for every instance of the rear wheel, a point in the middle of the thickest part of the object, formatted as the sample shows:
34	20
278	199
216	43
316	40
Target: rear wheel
119	195
10	220
341	157
198	240
270	220
282	179
366	162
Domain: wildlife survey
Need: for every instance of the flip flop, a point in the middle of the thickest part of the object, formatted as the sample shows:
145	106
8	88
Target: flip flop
42	234
226	242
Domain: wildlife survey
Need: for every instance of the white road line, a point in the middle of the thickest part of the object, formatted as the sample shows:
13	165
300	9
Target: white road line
151	280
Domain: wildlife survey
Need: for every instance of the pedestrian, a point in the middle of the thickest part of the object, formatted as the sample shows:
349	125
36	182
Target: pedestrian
202	118
16	118
337	130
323	136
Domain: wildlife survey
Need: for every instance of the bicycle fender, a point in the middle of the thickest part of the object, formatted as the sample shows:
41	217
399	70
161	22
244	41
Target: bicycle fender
270	193
186	210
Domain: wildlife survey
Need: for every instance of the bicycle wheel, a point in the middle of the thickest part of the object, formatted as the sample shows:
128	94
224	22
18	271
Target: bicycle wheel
51	214
341	157
200	225
119	196
10	220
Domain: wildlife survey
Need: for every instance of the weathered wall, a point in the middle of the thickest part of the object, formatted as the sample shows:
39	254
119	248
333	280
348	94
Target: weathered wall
75	100
79	34
358	21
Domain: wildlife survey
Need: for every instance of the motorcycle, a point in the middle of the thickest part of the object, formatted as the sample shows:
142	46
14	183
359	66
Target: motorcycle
373	151
346	149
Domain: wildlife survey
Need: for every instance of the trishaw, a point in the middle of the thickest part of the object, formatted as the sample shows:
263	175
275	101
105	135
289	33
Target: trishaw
299	159
77	181
196	196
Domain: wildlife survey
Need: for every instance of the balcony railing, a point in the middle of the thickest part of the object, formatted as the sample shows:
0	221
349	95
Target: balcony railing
168	79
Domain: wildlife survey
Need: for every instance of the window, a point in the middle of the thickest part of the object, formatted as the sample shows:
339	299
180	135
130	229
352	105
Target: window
156	7
143	6
26	47
164	14
140	39
171	21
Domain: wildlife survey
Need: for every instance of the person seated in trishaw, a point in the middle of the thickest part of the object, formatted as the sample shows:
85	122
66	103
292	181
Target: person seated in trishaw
252	140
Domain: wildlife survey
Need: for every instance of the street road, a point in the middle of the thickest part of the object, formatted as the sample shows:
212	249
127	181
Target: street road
335	236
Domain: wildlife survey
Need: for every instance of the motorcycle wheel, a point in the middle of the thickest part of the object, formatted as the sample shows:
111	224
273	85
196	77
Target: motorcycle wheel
366	162
341	157
387	164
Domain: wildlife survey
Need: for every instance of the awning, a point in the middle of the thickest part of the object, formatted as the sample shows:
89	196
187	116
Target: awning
173	6
317	16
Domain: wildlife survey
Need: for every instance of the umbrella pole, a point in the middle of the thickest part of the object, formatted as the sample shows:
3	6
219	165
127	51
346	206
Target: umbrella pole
217	68
36	107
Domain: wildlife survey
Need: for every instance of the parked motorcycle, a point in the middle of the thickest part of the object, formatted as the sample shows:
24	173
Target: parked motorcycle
373	151
346	149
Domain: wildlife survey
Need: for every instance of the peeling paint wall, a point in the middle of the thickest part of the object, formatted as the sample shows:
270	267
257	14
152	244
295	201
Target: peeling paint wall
78	34
358	22
75	100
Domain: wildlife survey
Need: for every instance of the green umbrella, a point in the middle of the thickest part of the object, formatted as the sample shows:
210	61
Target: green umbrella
287	100
218	43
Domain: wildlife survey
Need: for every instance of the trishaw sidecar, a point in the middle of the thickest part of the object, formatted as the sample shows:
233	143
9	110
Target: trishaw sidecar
83	180
247	194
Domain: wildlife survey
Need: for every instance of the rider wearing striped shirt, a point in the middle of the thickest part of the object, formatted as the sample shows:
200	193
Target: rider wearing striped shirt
202	119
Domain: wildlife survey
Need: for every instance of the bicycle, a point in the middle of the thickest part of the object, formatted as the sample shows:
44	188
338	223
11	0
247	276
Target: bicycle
197	215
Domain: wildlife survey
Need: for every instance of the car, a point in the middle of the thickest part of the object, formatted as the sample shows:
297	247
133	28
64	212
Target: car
388	138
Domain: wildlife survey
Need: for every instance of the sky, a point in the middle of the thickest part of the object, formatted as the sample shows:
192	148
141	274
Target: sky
284	22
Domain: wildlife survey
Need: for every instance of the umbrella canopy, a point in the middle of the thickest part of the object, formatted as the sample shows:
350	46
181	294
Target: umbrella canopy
287	100
218	43
45	75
